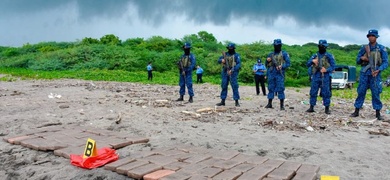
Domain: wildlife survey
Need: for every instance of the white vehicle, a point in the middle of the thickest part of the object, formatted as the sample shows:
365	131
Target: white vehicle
339	79
342	79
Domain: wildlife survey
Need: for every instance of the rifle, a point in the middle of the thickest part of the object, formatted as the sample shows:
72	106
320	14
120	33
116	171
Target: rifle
320	63
371	63
181	67
227	66
274	63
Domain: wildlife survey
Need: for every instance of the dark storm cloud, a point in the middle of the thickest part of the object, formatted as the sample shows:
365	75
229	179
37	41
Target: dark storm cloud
87	9
355	14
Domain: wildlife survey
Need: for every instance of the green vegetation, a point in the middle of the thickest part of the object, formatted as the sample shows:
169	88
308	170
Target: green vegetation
111	59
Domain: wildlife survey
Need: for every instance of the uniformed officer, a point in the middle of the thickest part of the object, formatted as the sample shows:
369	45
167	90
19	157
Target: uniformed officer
231	62
277	63
322	64
373	58
186	64
259	70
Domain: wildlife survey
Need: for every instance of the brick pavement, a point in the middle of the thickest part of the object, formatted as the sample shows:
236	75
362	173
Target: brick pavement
66	140
180	162
185	162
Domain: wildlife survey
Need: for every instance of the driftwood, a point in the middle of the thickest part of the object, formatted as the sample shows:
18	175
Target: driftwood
379	132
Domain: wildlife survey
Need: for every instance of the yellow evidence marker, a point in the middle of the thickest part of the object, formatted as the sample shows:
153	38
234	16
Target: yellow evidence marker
90	149
329	177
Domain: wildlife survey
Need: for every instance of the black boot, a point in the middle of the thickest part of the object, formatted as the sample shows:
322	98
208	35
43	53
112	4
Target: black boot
355	114
269	105
327	111
282	104
378	115
311	109
222	103
237	104
190	100
180	98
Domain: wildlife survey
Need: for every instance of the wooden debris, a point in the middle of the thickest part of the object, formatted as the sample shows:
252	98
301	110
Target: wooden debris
119	119
191	113
207	109
379	132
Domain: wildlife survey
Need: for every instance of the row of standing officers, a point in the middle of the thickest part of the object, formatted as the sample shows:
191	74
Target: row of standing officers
372	57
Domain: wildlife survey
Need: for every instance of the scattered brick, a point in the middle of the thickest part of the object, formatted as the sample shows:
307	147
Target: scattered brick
308	168
208	172
180	175
71	141
273	163
91	131
281	174
228	164
227	175
112	166
125	168
16	140
243	167
305	176
33	131
181	157
69	132
257	160
191	168
159	159
199	177
82	135
258	172
66	152
139	172
290	165
49	129
192	149
175	166
96	138
117	143
225	155
51	145
32	143
171	152
158	174
142	154
210	162
195	158
268	178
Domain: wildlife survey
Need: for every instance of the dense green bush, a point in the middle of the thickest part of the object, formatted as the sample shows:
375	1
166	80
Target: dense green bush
133	55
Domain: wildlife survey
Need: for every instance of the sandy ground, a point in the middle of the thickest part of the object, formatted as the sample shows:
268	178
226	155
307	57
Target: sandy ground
340	145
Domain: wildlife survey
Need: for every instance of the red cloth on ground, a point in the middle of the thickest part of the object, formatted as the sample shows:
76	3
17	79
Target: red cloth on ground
105	155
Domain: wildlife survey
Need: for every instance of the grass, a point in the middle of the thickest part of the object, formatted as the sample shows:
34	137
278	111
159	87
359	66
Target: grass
168	78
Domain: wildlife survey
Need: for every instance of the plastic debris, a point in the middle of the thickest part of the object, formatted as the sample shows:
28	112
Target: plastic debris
52	96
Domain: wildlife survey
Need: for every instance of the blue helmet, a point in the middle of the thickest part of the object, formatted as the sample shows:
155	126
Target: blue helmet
323	42
373	32
277	41
187	45
258	60
231	46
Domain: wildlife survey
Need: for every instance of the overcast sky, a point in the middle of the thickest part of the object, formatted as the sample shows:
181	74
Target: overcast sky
240	21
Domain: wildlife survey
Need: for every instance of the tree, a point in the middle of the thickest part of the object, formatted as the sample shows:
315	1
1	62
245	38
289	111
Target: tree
89	40
207	37
110	39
